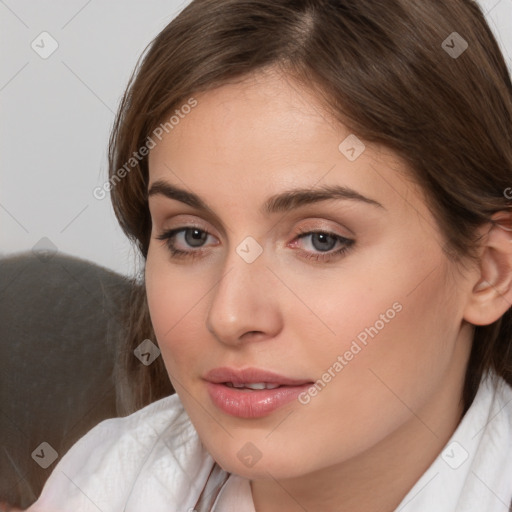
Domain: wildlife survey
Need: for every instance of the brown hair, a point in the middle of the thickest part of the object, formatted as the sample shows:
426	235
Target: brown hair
383	68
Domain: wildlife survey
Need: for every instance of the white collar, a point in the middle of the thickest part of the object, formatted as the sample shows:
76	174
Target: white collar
473	473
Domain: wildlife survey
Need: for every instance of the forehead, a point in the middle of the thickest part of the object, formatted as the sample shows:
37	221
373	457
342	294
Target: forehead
263	110
264	134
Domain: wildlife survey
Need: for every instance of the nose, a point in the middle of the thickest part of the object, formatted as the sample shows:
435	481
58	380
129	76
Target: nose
244	306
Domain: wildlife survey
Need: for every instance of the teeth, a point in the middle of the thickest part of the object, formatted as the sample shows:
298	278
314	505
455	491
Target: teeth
254	385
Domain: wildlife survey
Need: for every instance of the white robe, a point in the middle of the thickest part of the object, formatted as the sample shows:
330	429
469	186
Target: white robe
154	461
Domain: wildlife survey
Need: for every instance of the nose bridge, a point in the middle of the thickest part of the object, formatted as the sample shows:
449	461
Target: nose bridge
241	300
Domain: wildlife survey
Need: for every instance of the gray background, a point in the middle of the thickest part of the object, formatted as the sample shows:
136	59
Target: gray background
56	115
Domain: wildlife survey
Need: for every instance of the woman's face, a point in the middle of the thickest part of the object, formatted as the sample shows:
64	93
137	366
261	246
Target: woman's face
305	255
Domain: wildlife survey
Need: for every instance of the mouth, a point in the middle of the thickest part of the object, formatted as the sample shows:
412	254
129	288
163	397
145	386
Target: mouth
251	392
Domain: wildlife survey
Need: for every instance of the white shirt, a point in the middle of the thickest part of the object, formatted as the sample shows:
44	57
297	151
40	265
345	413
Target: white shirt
154	461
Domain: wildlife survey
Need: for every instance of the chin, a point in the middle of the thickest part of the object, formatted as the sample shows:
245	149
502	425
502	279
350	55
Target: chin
255	462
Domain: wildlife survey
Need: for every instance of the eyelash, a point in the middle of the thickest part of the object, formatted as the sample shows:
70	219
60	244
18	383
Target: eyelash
169	235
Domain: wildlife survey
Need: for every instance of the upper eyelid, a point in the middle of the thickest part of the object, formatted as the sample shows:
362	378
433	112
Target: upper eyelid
303	230
318	220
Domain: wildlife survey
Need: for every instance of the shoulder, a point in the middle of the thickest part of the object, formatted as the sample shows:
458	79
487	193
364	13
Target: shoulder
120	454
144	425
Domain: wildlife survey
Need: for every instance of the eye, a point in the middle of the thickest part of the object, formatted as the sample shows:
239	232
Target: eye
191	236
322	241
325	242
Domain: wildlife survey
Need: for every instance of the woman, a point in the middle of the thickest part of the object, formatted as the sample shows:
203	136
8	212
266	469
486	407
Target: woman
318	190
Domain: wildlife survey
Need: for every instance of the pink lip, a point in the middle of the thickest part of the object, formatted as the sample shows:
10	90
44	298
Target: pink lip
250	376
243	403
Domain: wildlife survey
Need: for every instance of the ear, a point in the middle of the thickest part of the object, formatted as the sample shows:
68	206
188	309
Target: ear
491	296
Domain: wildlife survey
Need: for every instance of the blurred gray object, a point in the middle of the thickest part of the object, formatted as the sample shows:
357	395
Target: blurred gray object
61	320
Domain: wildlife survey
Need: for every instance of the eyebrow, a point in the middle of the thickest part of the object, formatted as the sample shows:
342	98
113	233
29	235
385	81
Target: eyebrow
282	202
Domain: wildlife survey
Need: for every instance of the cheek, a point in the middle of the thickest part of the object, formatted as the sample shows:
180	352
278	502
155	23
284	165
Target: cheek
395	338
394	320
383	308
175	306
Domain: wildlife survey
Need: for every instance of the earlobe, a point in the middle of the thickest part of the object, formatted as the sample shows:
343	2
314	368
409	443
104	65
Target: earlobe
491	295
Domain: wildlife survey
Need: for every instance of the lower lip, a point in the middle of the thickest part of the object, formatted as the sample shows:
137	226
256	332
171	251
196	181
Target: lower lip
244	403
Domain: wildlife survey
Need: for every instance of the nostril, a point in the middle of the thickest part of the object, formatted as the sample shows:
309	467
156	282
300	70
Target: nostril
251	334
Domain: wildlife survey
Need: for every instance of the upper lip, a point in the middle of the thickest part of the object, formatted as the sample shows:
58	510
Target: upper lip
250	376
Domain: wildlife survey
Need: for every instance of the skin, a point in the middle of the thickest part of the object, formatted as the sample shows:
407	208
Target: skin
384	418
